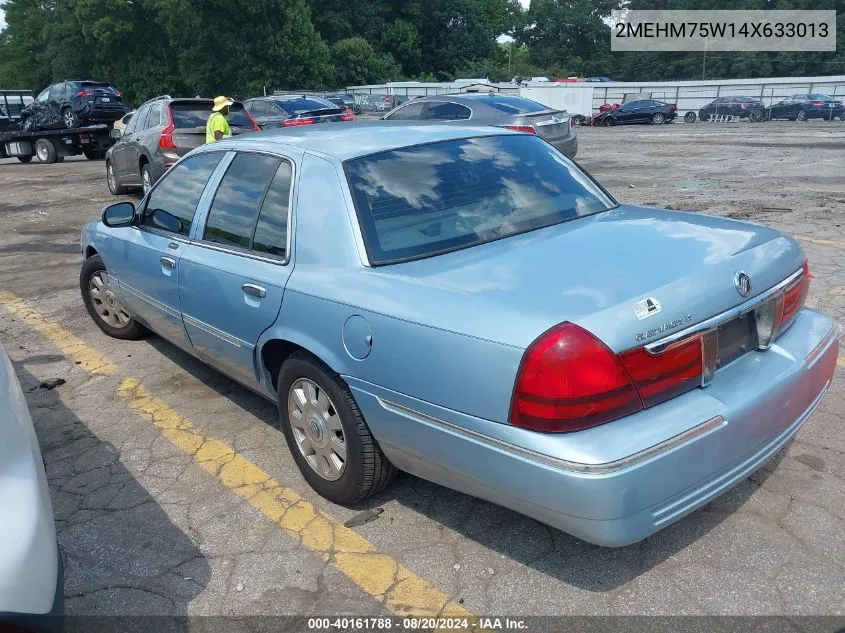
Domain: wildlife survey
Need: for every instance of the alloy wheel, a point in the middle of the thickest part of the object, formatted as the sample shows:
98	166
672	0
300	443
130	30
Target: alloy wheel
317	430
105	303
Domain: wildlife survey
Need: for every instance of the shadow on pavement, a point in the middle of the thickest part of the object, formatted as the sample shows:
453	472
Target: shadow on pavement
122	554
504	531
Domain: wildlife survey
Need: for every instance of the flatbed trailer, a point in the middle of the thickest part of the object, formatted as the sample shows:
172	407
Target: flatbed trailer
52	146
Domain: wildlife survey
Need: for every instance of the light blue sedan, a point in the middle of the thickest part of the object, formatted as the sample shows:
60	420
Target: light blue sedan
468	305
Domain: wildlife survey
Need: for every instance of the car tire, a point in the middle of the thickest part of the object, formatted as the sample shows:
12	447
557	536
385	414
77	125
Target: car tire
146	178
28	124
102	304
114	183
365	470
69	119
690	117
756	116
25	159
658	118
45	151
802	116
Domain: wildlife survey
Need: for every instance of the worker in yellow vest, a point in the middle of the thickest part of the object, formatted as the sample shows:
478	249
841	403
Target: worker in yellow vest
217	126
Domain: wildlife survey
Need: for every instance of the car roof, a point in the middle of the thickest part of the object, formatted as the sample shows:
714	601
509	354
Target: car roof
345	141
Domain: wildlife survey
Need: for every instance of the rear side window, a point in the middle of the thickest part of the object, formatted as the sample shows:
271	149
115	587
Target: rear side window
428	199
410	112
173	203
513	105
154	118
234	212
447	112
271	232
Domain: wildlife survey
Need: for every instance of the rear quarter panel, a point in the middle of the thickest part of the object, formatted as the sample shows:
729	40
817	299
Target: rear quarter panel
330	285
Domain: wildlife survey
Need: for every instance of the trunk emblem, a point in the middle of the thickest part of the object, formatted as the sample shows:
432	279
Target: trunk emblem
742	282
646	308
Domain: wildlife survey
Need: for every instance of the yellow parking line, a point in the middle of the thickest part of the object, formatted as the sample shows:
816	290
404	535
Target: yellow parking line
818	240
70	344
378	574
841	361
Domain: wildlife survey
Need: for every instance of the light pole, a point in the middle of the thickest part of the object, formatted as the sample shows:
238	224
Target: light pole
704	61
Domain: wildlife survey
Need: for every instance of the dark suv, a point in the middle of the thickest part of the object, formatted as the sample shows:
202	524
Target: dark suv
71	104
291	110
161	131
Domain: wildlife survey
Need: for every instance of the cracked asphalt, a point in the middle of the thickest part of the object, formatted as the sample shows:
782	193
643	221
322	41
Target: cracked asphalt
147	525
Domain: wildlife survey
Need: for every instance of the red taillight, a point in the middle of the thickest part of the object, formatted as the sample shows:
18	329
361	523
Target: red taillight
660	377
569	380
348	116
817	104
165	139
297	122
528	129
793	298
84	93
571	123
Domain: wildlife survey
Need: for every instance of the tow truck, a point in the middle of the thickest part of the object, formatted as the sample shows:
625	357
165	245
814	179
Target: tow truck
48	146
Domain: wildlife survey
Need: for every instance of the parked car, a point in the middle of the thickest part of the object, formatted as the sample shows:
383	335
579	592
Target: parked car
160	132
511	333
344	100
120	124
809	106
12	102
73	103
295	110
640	111
512	112
31	578
742	107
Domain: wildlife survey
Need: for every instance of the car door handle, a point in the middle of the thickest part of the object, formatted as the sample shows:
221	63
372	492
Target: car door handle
255	291
168	262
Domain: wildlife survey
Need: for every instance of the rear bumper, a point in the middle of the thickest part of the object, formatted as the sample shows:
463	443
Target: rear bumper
825	113
752	409
568	145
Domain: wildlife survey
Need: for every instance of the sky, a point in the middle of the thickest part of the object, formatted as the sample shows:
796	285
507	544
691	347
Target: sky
524	3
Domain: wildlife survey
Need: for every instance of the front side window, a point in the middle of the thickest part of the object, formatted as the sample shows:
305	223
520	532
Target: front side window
44	96
173	203
429	199
57	93
138	121
234	212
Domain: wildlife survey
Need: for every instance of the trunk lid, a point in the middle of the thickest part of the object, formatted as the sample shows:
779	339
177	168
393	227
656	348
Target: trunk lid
190	118
592	271
551	125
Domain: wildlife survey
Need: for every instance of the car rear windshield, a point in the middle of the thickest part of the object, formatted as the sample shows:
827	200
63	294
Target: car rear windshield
96	85
514	105
194	115
298	106
429	199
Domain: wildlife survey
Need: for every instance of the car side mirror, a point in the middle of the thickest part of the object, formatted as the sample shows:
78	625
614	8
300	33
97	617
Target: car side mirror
119	214
115	133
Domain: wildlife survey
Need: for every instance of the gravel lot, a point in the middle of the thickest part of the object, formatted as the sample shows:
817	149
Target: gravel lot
145	530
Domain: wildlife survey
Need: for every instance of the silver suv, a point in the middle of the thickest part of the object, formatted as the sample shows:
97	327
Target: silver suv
161	131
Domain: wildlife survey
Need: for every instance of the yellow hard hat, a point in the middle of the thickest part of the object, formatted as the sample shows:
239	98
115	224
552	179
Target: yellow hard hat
221	102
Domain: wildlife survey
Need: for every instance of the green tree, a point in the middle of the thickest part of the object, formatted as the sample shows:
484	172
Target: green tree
356	63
